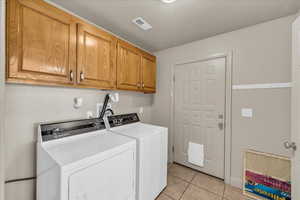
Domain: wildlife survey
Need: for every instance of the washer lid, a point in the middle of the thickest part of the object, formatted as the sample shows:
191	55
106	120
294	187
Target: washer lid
81	147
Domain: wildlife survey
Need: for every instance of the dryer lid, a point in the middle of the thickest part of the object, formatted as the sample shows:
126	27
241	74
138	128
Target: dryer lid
139	130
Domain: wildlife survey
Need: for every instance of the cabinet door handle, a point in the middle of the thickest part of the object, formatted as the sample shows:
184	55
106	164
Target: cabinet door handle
81	76
143	85
71	75
138	85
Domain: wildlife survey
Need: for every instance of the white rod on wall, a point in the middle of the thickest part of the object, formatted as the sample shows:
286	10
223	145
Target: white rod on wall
262	86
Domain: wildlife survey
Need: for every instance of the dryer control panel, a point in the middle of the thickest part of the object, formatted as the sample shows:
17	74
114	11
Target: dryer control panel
119	120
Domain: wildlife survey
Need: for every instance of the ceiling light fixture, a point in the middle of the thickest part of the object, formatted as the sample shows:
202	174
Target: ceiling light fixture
168	1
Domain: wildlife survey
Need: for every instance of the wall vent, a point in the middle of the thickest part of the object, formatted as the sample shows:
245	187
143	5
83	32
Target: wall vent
140	22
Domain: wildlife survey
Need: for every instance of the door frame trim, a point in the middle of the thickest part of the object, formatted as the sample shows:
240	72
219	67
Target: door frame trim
2	90
228	110
294	104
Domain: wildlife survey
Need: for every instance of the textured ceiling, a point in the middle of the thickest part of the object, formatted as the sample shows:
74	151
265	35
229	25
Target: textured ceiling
178	23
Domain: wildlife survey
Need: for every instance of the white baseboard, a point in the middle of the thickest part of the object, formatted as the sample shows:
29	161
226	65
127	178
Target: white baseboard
236	182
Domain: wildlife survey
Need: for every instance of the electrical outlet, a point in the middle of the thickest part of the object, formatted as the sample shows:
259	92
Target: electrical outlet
89	114
141	110
247	112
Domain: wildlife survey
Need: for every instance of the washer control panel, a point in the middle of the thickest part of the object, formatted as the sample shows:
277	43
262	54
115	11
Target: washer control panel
119	120
69	128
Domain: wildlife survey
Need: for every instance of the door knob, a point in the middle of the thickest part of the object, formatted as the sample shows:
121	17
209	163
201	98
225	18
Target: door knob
290	145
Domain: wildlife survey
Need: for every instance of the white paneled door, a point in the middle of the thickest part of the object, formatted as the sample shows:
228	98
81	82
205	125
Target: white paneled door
199	113
294	144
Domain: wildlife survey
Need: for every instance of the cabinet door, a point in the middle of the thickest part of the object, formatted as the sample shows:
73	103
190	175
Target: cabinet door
96	58
41	44
148	74
128	67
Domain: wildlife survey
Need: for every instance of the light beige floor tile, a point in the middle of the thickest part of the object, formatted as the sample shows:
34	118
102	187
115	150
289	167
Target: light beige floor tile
175	187
162	196
233	193
244	198
184	173
209	183
194	193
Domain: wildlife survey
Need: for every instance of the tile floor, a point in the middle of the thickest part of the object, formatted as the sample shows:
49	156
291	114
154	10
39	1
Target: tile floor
187	184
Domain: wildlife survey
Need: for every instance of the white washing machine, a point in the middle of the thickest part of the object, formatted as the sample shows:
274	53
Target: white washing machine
152	150
80	160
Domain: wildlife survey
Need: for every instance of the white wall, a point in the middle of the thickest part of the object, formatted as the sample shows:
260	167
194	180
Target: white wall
261	54
2	66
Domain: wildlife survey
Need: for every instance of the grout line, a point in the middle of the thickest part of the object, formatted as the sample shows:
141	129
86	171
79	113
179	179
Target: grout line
193	170
202	188
180	178
194	177
185	190
174	175
187	167
198	171
169	196
223	196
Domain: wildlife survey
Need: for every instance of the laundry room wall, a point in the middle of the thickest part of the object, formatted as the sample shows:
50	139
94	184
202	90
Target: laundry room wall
26	105
261	54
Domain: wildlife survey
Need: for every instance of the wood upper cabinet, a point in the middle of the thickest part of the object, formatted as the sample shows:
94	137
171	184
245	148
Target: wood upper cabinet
96	54
41	44
128	67
48	46
136	69
149	73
